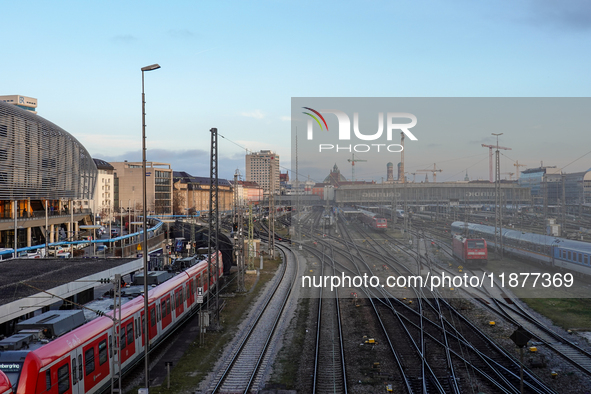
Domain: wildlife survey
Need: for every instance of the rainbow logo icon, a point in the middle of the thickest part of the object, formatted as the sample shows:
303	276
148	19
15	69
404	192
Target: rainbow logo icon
315	118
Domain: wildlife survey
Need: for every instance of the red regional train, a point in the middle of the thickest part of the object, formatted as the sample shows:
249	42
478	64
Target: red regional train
373	220
81	361
470	250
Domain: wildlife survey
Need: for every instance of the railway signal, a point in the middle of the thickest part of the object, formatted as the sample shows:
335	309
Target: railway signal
520	338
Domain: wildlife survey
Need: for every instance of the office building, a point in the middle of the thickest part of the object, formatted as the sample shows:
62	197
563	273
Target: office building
129	189
260	166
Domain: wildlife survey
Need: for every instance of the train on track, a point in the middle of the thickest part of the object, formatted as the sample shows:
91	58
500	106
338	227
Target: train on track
39	360
470	251
563	253
373	220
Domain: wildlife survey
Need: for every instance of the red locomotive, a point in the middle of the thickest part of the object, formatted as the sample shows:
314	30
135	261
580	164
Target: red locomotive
5	386
470	250
373	220
82	360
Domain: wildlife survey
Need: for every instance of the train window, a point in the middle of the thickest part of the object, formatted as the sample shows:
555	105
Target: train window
586	259
63	379
564	254
110	346
569	256
80	367
143	324
48	380
103	352
123	343
137	328
163	305
580	258
158	312
89	361
153	317
130	333
168	306
74	376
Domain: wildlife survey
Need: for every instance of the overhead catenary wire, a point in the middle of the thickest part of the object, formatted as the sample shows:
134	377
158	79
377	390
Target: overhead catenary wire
248	151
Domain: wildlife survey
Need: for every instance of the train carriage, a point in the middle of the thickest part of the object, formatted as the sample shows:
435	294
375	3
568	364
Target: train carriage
82	360
470	250
574	256
373	220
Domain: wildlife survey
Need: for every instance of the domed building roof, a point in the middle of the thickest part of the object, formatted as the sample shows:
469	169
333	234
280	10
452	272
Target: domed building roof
335	176
40	160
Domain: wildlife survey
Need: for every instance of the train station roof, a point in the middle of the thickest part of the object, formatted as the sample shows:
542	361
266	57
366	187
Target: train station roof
30	284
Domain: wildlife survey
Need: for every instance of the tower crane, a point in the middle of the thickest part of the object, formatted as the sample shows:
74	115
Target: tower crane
352	160
434	171
490	160
516	164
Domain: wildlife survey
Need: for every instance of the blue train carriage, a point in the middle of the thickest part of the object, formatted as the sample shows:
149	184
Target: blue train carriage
574	256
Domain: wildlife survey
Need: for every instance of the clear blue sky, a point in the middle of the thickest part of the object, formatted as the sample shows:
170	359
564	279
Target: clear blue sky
235	65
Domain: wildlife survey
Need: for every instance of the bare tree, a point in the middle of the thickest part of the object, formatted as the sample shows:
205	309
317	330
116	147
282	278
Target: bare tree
178	202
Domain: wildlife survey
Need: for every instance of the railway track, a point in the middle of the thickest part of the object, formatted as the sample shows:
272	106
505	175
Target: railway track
508	308
330	374
240	372
419	325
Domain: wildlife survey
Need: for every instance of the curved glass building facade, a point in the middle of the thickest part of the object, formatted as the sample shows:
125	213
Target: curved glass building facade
41	161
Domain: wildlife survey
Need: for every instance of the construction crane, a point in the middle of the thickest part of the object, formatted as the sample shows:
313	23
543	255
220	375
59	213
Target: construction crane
490	160
508	173
518	165
434	171
352	160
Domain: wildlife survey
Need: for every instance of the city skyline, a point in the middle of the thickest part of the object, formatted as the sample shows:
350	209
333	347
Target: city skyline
236	68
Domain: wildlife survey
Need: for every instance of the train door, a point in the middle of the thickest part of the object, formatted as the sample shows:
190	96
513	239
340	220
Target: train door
153	327
96	362
128	349
178	297
77	378
191	293
143	327
153	322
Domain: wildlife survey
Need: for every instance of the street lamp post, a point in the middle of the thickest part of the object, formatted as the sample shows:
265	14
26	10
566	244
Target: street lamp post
145	232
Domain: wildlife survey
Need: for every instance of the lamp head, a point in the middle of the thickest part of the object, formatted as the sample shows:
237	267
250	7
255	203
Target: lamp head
151	67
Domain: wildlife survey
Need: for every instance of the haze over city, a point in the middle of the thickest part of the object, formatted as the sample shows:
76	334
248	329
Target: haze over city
236	66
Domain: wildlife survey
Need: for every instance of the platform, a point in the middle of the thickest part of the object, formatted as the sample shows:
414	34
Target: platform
30	284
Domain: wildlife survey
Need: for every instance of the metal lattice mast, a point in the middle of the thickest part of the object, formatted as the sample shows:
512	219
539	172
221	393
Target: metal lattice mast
193	250
272	207
239	234
404	185
212	244
297	182
250	239
498	200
